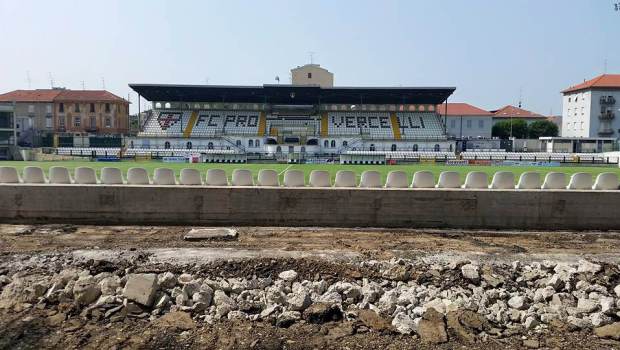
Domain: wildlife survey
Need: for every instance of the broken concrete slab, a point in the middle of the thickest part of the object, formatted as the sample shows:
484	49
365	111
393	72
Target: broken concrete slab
141	288
210	234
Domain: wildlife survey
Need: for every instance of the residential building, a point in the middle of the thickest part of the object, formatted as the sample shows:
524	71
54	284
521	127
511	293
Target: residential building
7	129
464	121
34	112
589	109
312	74
514	113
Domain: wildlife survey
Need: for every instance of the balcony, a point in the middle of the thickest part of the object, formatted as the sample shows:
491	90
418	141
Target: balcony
607	100
606	115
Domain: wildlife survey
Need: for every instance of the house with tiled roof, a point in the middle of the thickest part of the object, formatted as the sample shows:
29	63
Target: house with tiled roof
43	112
514	113
590	109
465	121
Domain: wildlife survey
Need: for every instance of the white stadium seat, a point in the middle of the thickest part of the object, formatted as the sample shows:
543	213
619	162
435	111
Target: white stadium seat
554	181
138	176
476	180
111	176
529	180
503	180
423	179
85	176
606	182
242	177
34	175
370	179
396	179
449	179
59	175
345	178
294	178
164	176
216	177
8	175
268	177
580	181
319	178
190	177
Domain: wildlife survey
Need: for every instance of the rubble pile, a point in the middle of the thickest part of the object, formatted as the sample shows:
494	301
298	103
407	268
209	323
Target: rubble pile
434	301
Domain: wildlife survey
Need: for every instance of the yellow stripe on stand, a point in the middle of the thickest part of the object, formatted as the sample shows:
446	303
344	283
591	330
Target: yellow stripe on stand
190	124
324	125
262	124
395	126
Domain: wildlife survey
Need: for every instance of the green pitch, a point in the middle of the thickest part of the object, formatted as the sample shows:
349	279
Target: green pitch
307	168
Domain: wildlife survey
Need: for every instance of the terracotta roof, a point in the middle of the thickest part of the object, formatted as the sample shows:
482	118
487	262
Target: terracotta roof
515	112
39	95
458	109
87	96
602	81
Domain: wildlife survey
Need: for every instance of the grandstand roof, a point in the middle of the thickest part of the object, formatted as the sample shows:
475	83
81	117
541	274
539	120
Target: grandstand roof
293	94
38	95
458	109
516	112
605	81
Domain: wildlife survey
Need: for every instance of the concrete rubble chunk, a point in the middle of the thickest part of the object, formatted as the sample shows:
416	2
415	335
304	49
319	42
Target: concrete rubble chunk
587	305
141	288
611	331
470	271
210	234
588	267
288	276
167	280
517	302
86	290
432	328
404	324
299	301
375	321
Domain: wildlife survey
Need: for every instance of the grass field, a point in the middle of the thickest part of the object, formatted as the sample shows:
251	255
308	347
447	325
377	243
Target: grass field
307	168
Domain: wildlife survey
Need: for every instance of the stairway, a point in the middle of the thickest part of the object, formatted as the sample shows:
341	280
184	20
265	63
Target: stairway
190	124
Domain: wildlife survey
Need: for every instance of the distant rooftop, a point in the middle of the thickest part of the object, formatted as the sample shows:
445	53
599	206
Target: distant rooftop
458	109
605	81
515	112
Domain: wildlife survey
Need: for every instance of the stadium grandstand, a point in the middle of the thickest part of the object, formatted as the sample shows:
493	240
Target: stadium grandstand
293	122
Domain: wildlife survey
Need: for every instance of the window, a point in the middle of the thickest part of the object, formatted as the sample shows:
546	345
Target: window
345	143
167	145
93	122
30	108
251	143
210	145
189	145
453	123
309	75
77	121
393	148
436	148
61	122
415	147
326	143
468	123
76	108
480	124
61	107
257	143
48	122
333	143
569	99
107	108
108	122
48	109
92	108
238	143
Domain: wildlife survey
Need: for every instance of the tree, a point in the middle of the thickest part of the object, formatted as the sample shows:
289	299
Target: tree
542	128
503	129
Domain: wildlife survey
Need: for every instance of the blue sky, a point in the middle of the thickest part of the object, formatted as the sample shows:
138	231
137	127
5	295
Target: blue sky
490	50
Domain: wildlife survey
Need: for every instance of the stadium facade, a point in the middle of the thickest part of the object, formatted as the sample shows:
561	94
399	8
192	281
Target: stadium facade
293	121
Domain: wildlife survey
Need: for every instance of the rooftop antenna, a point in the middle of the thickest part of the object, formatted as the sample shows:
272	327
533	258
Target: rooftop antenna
51	79
28	79
102	83
83	86
311	53
278	79
520	96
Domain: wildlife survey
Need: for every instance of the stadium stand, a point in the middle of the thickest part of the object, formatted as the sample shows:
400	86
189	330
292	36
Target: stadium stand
406	154
536	156
344	178
424	125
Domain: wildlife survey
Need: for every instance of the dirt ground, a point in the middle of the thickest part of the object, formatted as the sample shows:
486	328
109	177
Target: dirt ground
261	251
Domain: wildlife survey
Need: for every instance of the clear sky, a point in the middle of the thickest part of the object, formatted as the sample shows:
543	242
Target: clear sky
490	50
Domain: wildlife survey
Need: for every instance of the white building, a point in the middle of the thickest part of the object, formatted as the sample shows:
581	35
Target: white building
312	74
466	121
589	109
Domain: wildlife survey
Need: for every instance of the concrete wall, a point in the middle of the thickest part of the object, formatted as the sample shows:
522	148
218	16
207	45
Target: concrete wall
146	205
